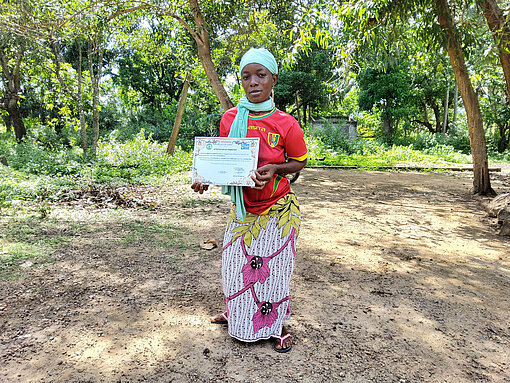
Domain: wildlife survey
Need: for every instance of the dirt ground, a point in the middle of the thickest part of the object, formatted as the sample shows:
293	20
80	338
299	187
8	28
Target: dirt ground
400	277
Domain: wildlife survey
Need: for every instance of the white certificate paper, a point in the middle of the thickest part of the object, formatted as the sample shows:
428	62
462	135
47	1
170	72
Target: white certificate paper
225	161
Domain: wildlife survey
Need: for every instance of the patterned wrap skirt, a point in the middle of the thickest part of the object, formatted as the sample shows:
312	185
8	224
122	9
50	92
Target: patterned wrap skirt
257	263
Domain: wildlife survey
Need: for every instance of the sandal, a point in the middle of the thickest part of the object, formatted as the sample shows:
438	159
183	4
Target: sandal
281	339
221	321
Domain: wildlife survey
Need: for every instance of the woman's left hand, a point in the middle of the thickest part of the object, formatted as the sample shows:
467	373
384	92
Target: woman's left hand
263	175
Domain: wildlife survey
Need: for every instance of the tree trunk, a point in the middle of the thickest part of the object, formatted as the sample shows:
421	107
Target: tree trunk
7	122
481	180
387	126
204	54
79	101
504	137
17	122
178	116
12	89
426	121
300	122
501	33
455	104
437	114
94	46
445	123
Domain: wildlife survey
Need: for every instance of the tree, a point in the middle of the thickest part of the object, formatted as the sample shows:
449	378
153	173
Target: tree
150	64
500	28
77	95
389	91
11	58
496	113
199	34
304	84
431	79
481	179
364	19
21	21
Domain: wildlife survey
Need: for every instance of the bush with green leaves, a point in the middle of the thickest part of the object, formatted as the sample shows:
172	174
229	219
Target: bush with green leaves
373	153
459	141
136	159
34	158
500	157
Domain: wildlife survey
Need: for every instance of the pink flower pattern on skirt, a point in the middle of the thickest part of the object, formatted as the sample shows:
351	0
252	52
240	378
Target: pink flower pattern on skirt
265	315
255	270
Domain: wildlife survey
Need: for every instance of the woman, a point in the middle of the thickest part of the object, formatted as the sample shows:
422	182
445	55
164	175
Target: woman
260	238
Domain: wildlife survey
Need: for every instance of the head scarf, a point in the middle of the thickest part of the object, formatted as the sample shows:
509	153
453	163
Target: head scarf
239	126
259	56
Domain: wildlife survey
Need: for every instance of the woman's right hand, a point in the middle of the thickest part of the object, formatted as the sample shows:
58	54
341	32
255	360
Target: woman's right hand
199	187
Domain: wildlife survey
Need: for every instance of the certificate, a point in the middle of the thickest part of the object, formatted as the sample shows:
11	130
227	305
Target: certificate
225	160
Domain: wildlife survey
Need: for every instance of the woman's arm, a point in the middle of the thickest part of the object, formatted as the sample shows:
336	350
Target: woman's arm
265	173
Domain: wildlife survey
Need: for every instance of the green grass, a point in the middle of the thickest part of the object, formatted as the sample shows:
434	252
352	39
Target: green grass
30	239
159	235
365	153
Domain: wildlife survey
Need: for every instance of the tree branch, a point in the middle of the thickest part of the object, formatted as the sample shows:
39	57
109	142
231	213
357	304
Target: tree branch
126	11
57	57
199	21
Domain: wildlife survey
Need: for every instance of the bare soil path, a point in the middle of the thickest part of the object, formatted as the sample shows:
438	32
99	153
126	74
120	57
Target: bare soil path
400	277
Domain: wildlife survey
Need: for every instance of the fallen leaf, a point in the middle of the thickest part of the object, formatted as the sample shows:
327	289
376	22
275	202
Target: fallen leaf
209	244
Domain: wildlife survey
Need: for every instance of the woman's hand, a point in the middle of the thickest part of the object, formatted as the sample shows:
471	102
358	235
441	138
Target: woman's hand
199	187
263	175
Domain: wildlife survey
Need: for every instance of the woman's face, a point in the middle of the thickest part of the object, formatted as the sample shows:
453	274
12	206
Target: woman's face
257	82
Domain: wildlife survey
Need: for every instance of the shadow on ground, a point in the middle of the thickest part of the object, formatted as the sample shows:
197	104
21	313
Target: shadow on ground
400	277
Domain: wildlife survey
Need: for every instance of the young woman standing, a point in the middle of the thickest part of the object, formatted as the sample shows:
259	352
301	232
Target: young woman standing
259	246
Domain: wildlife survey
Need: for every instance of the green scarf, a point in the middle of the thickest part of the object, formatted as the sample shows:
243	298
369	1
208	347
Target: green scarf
239	129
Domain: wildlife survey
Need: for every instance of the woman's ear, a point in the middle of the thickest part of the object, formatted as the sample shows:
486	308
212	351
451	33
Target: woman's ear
275	79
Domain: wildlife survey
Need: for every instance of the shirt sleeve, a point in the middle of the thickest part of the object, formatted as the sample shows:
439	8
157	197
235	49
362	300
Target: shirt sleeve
295	143
226	121
224	127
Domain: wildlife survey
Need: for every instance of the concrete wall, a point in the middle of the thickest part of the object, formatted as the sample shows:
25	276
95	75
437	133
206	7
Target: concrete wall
346	127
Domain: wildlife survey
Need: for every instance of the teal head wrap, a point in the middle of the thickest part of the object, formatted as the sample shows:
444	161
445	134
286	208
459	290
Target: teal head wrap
259	56
239	126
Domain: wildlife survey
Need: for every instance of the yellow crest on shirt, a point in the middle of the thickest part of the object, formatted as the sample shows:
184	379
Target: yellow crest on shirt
272	139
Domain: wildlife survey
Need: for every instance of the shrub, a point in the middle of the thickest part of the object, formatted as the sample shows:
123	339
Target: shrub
136	159
32	157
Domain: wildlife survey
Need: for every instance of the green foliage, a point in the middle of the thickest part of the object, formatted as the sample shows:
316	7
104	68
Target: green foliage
34	158
371	153
35	172
156	81
390	92
136	160
500	157
369	122
495	111
457	140
307	78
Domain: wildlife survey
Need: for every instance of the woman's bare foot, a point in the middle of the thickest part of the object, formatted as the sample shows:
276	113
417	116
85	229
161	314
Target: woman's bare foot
284	343
219	318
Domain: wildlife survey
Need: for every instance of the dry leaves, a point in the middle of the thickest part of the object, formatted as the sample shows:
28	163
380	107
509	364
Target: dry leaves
209	244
